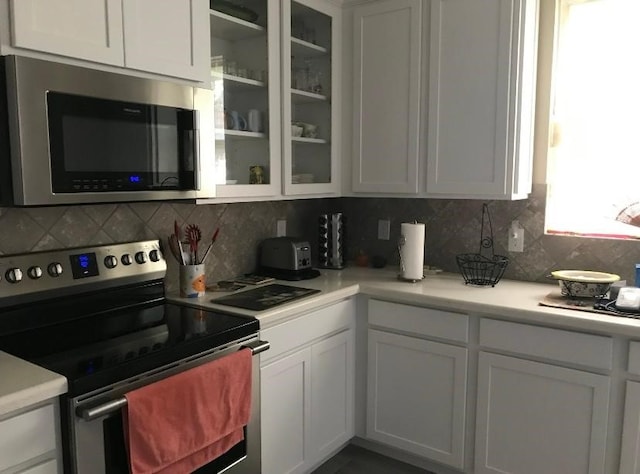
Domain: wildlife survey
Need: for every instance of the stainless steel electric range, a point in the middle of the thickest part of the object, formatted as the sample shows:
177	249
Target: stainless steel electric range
98	316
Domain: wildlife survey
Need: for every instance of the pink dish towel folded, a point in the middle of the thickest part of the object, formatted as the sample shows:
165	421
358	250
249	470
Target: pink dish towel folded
180	423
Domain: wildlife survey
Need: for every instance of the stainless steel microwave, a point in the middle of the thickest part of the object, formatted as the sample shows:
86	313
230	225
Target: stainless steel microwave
78	135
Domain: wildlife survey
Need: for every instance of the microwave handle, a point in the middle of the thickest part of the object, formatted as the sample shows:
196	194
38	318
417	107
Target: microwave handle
191	144
196	157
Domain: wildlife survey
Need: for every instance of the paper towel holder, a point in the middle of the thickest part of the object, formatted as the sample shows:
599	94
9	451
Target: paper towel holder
401	242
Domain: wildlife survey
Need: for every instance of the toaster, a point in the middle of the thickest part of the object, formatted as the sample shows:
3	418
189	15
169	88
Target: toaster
285	253
286	258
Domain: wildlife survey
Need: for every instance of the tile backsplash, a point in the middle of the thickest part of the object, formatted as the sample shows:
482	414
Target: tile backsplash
452	227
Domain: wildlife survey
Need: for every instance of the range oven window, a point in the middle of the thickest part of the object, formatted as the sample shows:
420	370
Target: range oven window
115	453
108	145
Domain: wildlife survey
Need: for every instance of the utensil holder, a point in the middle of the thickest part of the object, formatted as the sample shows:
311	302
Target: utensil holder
192	281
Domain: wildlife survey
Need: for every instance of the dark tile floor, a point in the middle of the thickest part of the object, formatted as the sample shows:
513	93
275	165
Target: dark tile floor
356	460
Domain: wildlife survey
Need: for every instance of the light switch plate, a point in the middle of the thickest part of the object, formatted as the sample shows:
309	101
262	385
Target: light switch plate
516	237
281	228
384	229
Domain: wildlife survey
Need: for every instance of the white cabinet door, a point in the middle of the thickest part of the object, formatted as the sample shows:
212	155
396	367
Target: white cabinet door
308	405
83	29
481	98
416	396
534	417
29	436
285	412
630	450
332	388
245	75
387	78
169	38
311	76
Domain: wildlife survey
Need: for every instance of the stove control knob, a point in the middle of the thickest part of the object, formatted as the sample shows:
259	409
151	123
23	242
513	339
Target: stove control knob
13	275
154	255
141	257
54	269
126	259
110	261
34	272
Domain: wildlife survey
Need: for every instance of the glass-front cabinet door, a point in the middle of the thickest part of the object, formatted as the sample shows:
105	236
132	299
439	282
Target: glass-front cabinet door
245	75
311	96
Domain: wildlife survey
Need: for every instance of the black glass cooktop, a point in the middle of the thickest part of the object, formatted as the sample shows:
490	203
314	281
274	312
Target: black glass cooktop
106	346
265	297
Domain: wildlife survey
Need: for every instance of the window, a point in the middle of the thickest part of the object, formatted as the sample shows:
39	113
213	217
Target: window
593	165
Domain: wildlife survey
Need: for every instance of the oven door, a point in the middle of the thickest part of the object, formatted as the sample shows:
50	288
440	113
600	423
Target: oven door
95	437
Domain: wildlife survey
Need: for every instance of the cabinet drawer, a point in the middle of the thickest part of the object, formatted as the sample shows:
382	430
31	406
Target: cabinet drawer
417	320
300	331
548	343
48	467
27	435
634	357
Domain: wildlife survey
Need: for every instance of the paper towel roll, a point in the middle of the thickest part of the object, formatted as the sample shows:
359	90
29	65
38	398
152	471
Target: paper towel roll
412	251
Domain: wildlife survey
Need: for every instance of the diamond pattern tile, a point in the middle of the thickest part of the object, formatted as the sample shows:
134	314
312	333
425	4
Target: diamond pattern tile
452	227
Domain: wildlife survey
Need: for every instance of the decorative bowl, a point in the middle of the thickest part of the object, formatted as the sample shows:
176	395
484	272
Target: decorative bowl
584	284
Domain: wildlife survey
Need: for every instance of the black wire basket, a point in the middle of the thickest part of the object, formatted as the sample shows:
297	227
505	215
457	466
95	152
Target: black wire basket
484	268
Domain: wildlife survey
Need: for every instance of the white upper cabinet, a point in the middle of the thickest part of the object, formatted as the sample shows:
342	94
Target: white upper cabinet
83	29
387	75
481	98
311	114
167	38
245	78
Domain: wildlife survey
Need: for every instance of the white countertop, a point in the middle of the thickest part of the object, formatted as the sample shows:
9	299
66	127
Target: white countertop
509	299
23	384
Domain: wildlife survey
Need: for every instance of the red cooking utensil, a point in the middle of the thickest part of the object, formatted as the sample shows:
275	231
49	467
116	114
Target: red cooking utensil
194	234
213	239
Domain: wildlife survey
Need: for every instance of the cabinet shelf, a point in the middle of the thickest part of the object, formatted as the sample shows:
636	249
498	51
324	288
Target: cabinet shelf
238	134
304	48
231	28
299	97
237	82
318	141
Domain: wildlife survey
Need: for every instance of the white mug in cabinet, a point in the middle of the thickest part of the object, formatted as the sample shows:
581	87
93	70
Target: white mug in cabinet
255	120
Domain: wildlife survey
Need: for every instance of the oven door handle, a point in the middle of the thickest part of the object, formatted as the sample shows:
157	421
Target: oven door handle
90	414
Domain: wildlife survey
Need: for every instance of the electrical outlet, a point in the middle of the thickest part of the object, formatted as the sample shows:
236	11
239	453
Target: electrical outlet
516	237
281	228
384	229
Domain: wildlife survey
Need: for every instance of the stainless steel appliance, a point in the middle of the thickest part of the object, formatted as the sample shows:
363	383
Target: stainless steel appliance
331	246
286	258
79	135
99	317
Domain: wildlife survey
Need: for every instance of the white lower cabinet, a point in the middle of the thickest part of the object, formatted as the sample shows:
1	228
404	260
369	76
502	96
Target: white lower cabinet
307	390
630	450
29	441
539	416
417	388
416	396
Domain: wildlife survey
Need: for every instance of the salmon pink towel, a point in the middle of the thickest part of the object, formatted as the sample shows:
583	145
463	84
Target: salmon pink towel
182	422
